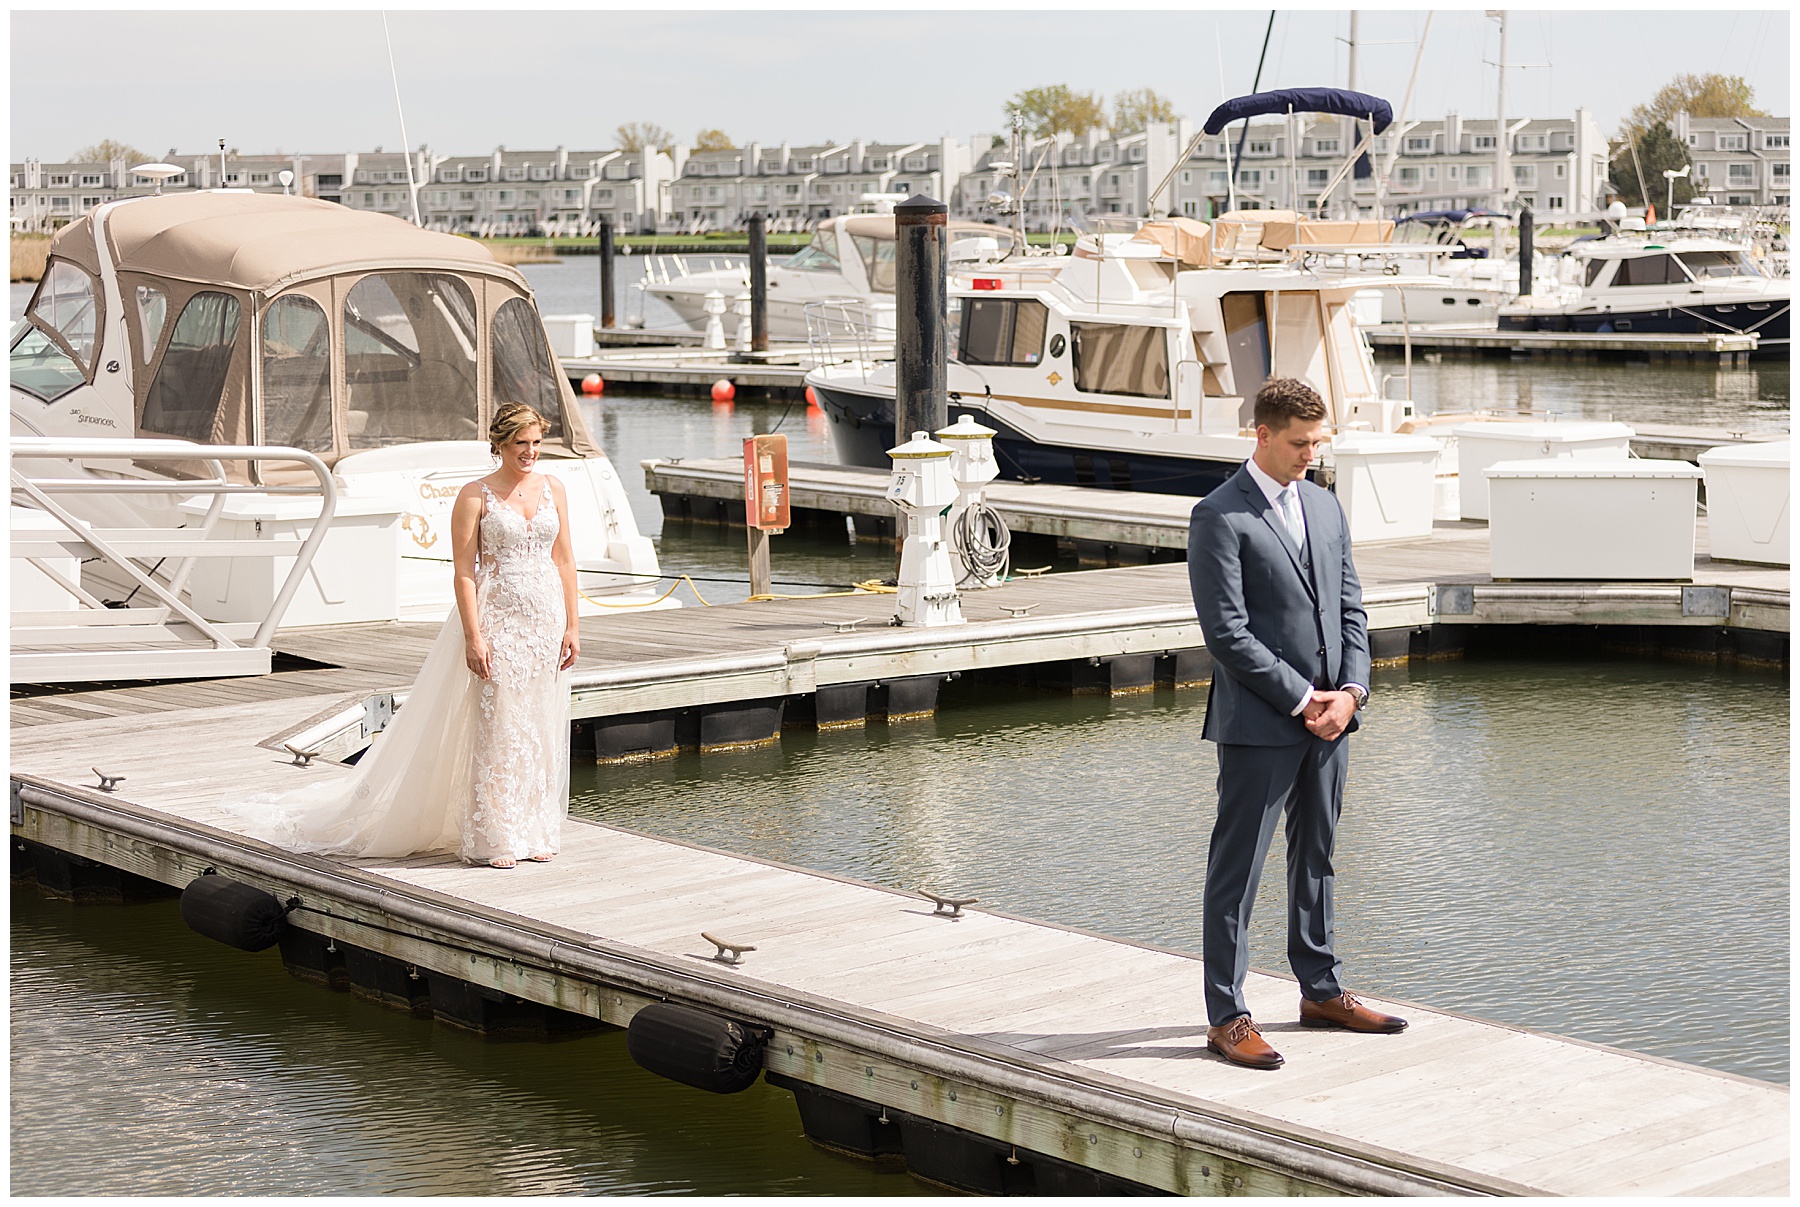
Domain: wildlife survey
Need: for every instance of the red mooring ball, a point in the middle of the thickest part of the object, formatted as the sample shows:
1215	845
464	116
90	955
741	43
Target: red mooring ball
812	399
593	383
723	391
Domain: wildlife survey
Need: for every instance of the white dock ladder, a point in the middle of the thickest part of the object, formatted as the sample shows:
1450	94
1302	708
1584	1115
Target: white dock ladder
87	640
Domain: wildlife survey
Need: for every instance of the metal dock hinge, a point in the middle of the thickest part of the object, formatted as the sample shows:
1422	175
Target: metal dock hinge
18	802
846	626
948	907
302	758
378	713
108	782
736	950
1015	611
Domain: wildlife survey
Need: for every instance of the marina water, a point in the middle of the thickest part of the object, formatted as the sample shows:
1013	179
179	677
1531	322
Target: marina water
1590	846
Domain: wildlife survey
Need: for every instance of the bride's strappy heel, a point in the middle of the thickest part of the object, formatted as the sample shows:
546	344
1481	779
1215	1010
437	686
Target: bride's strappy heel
502	863
542	858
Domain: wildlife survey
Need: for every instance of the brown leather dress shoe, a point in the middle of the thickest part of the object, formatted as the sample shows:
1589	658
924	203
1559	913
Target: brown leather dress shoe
1346	1013
1242	1044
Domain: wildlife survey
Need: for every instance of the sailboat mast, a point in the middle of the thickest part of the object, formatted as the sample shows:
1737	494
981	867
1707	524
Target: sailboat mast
1501	167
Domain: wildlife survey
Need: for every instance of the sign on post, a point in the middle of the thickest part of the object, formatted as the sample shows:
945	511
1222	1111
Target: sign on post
765	501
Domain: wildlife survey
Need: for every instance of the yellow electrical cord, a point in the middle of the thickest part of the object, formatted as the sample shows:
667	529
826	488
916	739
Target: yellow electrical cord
598	603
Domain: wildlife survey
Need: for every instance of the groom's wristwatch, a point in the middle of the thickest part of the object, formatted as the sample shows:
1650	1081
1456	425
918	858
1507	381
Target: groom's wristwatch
1359	695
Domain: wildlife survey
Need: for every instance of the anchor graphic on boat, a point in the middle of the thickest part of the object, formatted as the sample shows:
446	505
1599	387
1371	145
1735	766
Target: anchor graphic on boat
420	528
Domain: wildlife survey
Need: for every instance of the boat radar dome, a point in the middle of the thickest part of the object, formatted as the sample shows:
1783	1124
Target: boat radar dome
157	172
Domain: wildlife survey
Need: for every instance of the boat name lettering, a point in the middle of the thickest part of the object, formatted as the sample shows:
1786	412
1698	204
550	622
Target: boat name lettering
428	491
99	420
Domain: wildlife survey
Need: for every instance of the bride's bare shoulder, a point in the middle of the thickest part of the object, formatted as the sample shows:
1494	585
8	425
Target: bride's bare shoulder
469	495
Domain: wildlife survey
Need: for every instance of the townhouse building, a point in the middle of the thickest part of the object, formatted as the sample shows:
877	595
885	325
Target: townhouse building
796	186
1555	165
45	196
1737	160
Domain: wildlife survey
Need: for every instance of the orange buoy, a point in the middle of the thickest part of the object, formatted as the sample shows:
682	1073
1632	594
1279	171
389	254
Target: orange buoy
812	399
723	390
593	383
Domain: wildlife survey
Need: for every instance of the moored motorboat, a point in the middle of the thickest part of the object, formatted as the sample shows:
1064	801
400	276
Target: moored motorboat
233	318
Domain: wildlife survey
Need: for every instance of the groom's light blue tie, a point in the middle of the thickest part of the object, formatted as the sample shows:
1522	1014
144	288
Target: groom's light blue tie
1289	506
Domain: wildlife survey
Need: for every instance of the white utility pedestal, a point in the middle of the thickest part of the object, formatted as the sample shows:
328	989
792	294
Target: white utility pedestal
570	334
1747	497
1589	520
741	308
1386	483
972	467
354	576
924	491
1481	444
714	305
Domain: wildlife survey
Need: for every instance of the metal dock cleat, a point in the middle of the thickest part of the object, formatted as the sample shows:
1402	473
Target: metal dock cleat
108	782
846	626
736	950
948	907
1037	572
1016	612
302	758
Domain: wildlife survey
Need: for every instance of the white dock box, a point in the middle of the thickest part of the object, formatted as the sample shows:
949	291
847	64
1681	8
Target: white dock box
1385	483
1481	444
570	334
1747	501
1588	520
354	576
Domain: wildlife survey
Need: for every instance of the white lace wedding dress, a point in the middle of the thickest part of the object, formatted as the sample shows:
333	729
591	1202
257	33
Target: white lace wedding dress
479	767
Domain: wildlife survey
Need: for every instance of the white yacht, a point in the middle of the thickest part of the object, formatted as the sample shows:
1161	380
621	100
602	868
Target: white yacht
1663	282
1133	363
228	318
851	258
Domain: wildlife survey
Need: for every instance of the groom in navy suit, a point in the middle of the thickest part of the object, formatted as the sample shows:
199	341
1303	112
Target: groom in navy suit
1281	608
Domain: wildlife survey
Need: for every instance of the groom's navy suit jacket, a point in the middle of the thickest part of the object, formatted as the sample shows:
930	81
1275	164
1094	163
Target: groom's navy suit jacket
1276	621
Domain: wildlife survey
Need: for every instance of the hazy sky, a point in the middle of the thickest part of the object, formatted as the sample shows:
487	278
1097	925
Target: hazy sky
472	79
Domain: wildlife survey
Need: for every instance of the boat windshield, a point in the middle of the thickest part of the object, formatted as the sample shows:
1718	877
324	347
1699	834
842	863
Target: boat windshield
53	351
1704	264
821	255
878	261
409	359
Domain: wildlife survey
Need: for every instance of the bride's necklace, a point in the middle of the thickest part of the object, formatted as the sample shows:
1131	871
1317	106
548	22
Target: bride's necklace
512	494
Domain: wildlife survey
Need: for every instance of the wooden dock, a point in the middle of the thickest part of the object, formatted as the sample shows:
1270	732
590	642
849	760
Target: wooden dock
1727	348
961	1044
686	367
964	1046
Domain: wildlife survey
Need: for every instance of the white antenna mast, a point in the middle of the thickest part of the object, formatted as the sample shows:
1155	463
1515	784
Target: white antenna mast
412	186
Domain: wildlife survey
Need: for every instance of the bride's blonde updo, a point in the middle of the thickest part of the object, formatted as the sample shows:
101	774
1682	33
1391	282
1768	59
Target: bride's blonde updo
511	418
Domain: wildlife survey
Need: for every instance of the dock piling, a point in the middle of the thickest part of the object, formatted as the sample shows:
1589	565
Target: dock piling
921	403
606	273
1527	242
759	285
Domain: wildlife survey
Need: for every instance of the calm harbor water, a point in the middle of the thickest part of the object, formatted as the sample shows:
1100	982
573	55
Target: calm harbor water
1516	844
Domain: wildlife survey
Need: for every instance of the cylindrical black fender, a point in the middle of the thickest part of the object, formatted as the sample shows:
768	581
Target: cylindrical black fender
233	913
694	1047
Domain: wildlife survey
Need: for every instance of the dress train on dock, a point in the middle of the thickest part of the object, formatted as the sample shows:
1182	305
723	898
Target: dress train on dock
478	767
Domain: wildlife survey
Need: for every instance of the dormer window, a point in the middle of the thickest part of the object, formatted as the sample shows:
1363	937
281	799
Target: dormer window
1261	146
1422	146
1775	142
802	165
515	173
92	180
878	163
477	174
450	175
1326	146
1727	142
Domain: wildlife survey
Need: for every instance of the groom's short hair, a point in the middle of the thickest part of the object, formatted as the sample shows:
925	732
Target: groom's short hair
1285	399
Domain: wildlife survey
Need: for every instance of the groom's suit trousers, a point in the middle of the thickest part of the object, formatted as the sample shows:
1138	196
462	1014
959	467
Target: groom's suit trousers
1258	785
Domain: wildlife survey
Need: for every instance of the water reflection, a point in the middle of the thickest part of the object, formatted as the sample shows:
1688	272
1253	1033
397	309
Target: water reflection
1515	844
149	1061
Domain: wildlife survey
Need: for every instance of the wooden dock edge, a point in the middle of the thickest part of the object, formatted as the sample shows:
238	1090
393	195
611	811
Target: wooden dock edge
1045	1106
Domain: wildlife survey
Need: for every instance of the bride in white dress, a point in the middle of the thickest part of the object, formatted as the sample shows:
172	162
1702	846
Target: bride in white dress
477	762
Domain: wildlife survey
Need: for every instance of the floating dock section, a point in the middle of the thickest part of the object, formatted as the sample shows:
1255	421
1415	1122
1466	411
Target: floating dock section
992	1053
1727	348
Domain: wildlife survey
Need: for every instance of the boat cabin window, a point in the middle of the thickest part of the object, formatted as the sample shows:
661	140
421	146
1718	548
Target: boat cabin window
1650	270
64	305
1112	358
153	310
296	374
819	256
998	331
1246	341
40	366
1704	264
878	261
1594	269
523	370
190	380
409	360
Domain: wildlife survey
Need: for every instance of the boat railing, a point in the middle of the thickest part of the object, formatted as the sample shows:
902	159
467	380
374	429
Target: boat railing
844	331
77	636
